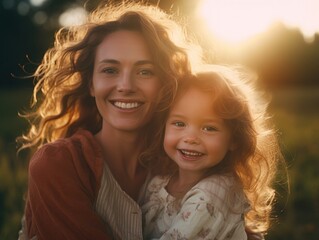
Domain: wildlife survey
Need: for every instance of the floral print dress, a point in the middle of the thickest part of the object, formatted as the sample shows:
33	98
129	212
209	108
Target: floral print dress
212	209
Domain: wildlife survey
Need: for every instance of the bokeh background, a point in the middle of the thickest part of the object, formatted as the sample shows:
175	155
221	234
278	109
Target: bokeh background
277	39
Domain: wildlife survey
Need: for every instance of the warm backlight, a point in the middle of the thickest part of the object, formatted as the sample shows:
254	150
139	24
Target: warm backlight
237	20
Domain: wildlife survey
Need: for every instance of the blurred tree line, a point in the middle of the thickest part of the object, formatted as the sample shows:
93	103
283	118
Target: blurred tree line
281	55
289	69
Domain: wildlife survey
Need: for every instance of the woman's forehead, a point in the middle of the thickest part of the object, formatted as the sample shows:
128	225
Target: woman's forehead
124	45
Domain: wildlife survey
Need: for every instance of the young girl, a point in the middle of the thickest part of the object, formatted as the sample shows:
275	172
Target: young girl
224	156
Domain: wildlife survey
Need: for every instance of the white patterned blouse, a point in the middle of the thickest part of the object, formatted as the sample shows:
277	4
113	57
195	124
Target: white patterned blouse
213	209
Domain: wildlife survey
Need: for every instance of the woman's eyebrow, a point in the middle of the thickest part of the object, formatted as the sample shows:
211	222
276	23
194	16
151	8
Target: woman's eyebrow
142	62
113	61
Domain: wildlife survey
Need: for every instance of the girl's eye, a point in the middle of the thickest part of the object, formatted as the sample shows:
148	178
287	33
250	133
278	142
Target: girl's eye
110	70
178	124
209	129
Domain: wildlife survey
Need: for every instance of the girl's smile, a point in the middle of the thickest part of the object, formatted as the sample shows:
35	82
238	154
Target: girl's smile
196	138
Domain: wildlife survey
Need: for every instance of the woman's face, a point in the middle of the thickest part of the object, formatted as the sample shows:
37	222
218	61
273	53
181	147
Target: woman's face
125	81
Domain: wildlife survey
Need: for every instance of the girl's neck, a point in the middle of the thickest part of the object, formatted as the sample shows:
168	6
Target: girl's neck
183	181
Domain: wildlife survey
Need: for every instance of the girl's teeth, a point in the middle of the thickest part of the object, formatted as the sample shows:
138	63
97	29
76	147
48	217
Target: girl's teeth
126	105
191	153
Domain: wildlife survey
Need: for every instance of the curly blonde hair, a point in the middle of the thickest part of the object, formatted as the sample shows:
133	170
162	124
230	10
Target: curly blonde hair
257	154
61	101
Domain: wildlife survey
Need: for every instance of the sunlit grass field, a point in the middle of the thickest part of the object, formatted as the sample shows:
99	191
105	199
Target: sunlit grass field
296	114
13	169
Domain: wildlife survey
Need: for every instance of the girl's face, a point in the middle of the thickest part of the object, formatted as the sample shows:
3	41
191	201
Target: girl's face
125	81
195	137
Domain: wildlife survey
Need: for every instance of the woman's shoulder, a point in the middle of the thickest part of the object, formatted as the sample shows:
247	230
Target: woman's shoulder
82	139
64	146
79	138
78	151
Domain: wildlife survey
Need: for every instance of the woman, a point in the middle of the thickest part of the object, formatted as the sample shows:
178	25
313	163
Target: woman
104	89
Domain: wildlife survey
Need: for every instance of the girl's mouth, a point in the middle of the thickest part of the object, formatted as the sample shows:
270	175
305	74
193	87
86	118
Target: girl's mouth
190	153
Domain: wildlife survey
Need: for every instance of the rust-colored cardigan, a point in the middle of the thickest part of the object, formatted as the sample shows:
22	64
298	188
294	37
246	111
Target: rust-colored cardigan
64	181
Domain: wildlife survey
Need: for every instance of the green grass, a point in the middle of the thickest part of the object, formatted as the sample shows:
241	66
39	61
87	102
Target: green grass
11	102
296	113
13	169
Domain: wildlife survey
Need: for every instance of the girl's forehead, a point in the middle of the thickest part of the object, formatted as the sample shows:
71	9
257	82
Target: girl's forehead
192	97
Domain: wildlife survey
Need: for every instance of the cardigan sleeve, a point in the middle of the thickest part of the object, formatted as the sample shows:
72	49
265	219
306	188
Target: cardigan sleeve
61	198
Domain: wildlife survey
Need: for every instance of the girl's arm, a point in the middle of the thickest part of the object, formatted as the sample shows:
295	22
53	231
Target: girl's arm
254	235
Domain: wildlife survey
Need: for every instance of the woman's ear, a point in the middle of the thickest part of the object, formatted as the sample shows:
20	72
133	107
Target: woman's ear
91	89
233	146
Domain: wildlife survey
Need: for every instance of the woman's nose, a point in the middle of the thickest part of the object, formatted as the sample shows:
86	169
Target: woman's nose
126	83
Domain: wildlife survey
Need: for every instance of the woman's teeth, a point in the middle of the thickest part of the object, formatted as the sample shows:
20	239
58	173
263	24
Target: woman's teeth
124	105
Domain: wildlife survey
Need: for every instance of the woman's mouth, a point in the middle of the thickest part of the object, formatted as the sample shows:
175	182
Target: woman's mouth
126	105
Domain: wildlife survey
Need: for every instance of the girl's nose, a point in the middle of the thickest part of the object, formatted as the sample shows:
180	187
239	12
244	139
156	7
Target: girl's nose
191	140
126	83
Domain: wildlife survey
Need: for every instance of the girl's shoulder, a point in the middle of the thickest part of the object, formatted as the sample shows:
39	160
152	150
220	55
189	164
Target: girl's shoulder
157	182
221	191
153	190
217	184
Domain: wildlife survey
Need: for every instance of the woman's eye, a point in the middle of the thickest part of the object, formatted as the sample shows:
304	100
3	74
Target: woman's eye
178	124
110	70
209	129
146	72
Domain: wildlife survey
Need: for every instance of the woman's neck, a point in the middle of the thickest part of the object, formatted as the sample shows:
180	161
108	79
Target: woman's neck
121	148
120	151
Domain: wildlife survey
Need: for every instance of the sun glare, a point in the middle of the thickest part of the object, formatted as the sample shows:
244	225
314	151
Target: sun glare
73	16
236	20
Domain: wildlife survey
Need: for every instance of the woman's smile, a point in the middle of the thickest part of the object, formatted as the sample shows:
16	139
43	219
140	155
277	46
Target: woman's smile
127	105
125	83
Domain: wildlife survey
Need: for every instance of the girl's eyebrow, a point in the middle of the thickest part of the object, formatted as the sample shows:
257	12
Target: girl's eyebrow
212	120
176	115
